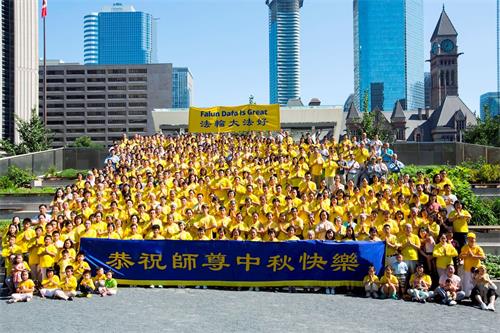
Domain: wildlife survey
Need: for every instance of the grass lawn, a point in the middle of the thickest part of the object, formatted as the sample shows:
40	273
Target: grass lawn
3	226
36	190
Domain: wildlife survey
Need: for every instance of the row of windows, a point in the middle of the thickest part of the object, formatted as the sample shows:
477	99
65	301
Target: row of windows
97	88
97	122
96	71
97	79
110	96
54	114
96	105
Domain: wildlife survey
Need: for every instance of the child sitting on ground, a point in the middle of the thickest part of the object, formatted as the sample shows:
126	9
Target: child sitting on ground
451	291
371	282
50	284
87	286
68	285
389	284
24	291
110	286
100	277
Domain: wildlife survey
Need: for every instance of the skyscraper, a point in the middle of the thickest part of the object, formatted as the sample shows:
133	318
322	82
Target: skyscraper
119	35
388	53
182	87
491	102
18	64
284	50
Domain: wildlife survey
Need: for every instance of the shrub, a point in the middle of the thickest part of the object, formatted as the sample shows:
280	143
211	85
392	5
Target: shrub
16	177
492	264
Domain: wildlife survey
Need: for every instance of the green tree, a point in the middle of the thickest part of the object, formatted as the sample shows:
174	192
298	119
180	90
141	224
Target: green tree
371	126
86	142
486	132
33	135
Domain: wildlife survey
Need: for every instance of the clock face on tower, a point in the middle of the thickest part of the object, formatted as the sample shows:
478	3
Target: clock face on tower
435	47
447	45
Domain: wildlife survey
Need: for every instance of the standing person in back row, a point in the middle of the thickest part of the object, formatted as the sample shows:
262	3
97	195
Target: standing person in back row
460	218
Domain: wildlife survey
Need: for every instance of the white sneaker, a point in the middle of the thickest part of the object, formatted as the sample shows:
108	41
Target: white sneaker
257	289
367	294
452	303
327	291
250	289
205	287
484	306
332	291
491	307
374	294
151	286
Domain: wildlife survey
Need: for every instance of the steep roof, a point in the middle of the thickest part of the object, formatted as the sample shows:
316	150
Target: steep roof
444	27
397	113
353	114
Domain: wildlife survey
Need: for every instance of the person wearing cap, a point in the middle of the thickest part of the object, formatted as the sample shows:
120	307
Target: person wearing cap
471	254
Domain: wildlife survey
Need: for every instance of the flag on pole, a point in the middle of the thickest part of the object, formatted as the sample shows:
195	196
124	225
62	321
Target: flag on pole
44	8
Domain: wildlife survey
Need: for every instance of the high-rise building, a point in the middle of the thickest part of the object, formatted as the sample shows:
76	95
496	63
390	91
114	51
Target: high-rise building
489	101
388	53
444	61
119	35
427	89
182	87
104	101
284	50
18	64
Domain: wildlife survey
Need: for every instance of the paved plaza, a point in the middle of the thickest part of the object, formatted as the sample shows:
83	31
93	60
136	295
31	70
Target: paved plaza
191	310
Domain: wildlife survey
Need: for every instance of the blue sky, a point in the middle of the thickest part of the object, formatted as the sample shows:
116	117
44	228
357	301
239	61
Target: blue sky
225	44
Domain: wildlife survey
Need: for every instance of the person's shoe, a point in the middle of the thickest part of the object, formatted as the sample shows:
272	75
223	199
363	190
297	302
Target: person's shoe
491	306
70	298
197	287
151	286
327	291
374	294
452	303
332	291
250	289
422	301
89	295
394	296
257	289
484	306
367	295
205	287
10	301
160	286
383	296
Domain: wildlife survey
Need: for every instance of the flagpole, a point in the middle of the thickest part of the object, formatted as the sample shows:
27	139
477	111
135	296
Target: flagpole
44	76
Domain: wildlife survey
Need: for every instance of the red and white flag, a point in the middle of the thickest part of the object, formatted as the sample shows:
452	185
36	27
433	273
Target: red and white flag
44	8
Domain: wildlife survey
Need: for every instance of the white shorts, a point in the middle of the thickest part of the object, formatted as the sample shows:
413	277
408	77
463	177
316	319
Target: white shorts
22	297
48	292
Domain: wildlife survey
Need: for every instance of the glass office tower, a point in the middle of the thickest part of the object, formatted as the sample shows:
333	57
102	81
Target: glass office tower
284	50
182	87
119	35
489	101
388	53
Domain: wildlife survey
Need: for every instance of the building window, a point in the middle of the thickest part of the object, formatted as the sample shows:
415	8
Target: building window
117	71
136	96
55	73
117	105
75	72
117	88
96	71
75	105
137	87
96	96
75	80
117	96
137	104
55	106
116	79
117	113
137	112
75	97
137	79
418	137
95	113
117	121
96	105
460	124
96	79
75	88
96	121
96	88
55	80
137	70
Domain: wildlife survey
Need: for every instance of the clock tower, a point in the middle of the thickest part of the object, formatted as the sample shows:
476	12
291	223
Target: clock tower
444	61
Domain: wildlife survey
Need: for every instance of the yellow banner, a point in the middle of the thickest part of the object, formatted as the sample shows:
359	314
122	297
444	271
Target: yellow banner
226	119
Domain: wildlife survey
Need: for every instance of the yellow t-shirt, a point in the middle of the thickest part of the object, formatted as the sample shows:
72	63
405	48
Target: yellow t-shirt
471	262
444	255
393	279
28	284
369	278
425	278
47	260
408	252
460	224
51	284
69	284
88	282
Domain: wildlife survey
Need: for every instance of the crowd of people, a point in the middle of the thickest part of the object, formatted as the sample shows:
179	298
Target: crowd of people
255	187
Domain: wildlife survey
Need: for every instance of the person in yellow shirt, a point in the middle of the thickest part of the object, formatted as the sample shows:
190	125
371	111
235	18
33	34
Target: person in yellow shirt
182	234
410	246
24	237
50	284
471	254
371	282
389	284
460	218
134	233
47	254
253	235
87	287
80	265
24	291
155	234
67	285
444	253
420	283
10	251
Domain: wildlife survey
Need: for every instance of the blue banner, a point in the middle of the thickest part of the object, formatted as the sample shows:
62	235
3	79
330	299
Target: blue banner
235	263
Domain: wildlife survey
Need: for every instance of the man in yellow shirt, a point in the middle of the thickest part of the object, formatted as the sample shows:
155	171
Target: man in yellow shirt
410	246
444	253
47	253
471	254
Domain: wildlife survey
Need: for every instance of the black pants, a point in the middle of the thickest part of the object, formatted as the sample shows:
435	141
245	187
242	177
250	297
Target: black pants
86	290
461	238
